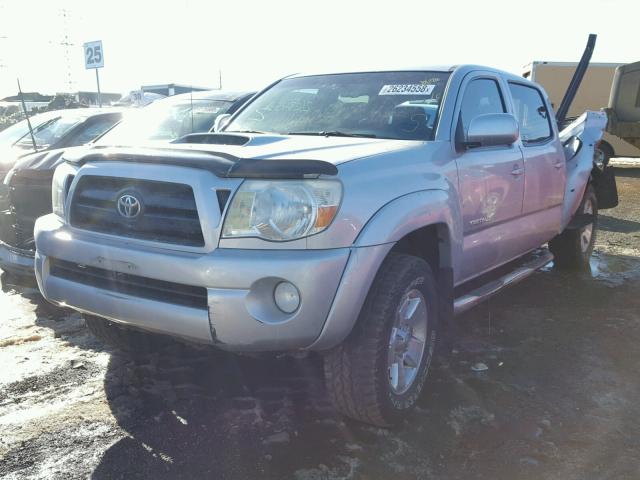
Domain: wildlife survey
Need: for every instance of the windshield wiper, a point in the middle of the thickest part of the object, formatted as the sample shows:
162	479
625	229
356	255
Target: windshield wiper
334	133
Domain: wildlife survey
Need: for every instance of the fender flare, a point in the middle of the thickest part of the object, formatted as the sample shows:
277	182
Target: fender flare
411	212
388	225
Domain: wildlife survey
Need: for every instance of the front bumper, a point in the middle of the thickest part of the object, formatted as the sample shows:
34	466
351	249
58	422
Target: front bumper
16	260
240	315
12	259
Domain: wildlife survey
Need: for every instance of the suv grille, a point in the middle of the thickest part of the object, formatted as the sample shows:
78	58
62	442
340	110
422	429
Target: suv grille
29	198
166	212
134	285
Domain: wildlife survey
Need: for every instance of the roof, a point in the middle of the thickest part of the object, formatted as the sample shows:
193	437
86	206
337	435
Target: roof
462	69
173	85
421	68
85	112
572	64
225	95
75	112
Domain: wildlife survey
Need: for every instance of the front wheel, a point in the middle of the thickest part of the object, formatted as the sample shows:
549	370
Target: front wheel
377	373
573	248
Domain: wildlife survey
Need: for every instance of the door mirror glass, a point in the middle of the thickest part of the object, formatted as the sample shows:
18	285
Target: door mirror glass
492	129
221	121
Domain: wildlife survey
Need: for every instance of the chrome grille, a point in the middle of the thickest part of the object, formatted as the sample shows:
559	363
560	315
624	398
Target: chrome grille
167	212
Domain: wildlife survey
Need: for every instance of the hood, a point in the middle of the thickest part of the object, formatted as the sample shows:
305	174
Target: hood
45	160
10	155
335	150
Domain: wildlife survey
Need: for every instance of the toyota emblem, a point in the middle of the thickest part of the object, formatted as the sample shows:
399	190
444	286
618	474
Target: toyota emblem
129	206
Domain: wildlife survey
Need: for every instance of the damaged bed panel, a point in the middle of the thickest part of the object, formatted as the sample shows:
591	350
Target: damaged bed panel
580	139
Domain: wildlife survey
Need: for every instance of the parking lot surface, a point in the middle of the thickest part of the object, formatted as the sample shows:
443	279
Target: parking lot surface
559	398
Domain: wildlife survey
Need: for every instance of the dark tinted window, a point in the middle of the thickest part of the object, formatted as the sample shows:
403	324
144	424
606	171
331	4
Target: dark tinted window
165	120
92	130
482	96
531	113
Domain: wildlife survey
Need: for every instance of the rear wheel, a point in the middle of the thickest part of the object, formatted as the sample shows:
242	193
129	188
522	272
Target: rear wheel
603	153
573	248
378	372
125	339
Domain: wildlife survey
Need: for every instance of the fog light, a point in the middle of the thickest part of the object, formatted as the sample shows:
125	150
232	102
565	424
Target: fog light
286	297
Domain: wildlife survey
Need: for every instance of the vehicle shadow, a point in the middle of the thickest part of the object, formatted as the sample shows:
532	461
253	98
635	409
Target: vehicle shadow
64	322
548	345
627	172
619	225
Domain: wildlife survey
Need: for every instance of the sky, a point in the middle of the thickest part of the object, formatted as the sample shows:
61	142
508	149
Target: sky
256	42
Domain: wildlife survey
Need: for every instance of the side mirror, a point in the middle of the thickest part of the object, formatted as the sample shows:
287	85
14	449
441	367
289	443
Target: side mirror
221	121
492	129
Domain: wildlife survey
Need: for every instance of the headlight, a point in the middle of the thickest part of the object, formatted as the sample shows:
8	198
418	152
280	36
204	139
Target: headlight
282	210
62	178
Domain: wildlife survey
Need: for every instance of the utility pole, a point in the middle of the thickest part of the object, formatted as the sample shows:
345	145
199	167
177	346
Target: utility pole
66	44
2	60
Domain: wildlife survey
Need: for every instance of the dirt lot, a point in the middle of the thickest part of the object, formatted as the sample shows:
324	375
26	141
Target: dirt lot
561	397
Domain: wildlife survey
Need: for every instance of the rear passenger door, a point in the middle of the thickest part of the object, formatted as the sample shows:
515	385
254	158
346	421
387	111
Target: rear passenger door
491	182
544	164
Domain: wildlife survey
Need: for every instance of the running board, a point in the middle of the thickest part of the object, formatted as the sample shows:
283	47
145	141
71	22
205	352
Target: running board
480	294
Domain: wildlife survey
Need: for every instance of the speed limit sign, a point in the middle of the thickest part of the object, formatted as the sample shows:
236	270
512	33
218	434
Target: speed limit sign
93	55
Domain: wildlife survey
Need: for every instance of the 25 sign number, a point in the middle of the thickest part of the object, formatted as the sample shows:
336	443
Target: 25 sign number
93	55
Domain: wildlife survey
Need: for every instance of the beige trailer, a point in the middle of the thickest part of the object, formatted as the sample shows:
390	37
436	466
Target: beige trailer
593	94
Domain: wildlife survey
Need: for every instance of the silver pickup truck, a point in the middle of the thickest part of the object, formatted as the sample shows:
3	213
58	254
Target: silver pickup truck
351	214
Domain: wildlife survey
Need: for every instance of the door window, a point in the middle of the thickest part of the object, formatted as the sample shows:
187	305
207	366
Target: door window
93	129
482	96
531	113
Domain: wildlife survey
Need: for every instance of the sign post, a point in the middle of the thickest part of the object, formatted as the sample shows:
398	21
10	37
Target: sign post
94	58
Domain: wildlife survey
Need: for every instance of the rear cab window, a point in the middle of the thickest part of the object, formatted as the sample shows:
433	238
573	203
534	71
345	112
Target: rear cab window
532	114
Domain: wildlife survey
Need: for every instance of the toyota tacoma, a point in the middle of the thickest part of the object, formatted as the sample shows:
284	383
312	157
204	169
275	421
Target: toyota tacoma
351	214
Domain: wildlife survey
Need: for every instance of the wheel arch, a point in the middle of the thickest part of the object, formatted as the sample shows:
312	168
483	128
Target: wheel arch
431	242
607	148
427	224
417	223
414	224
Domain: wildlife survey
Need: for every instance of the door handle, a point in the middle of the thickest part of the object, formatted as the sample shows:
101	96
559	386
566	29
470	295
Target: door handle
558	165
517	171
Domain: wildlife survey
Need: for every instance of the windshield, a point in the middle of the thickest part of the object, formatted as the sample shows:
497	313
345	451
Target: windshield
165	120
394	105
51	131
9	136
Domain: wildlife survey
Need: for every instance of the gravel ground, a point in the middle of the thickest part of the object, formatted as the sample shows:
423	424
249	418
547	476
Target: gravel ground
560	397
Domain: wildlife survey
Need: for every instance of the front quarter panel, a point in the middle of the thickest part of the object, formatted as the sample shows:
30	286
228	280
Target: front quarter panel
412	212
372	184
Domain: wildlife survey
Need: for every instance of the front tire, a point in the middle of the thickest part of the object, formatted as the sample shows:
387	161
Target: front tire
573	248
377	374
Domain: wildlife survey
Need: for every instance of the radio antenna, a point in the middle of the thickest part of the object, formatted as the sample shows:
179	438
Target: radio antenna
26	114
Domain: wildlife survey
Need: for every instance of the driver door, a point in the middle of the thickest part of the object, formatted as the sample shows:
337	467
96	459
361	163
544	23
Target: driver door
491	183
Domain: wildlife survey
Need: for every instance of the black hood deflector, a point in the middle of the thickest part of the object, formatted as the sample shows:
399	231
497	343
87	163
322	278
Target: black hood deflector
221	164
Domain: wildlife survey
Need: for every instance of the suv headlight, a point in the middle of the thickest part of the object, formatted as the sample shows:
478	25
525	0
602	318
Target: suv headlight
62	178
282	210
